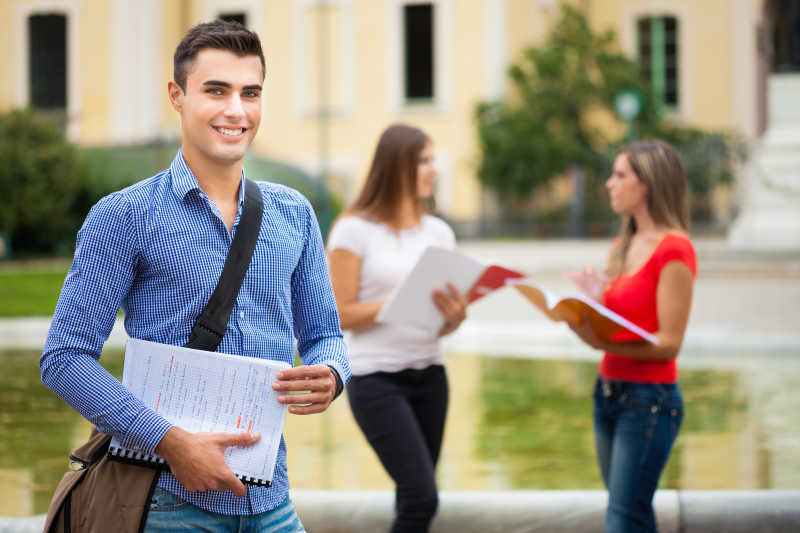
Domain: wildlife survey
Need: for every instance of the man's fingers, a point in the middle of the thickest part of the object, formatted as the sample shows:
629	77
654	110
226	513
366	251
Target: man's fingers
307	409
304	385
238	488
304	372
239	439
233	484
315	397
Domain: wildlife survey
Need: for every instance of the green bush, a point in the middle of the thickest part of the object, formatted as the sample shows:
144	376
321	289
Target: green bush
47	185
40	178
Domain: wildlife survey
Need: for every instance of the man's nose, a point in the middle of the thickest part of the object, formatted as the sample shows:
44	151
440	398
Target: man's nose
234	107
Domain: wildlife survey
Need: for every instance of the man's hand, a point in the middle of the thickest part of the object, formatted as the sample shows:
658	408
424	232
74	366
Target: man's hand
453	307
197	459
317	384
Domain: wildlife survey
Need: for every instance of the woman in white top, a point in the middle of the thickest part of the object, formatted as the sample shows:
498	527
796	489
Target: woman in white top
398	392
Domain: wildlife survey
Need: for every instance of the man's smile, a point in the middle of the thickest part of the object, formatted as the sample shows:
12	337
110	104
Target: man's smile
230	132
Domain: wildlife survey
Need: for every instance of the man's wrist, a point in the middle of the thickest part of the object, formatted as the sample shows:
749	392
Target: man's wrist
338	378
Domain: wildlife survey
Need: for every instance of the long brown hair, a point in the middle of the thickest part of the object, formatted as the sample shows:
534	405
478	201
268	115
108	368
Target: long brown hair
658	165
392	175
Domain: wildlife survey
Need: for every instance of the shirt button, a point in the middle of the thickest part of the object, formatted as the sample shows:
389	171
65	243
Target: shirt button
241	314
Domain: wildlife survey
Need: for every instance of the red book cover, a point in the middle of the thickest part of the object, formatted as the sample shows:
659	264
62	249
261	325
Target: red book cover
493	278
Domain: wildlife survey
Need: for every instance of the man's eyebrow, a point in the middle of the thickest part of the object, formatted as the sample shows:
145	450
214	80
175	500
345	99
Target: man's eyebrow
218	83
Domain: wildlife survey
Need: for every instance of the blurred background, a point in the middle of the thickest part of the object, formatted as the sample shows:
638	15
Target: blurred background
527	102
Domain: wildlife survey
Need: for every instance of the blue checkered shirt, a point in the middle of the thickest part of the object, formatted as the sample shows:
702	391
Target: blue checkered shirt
156	249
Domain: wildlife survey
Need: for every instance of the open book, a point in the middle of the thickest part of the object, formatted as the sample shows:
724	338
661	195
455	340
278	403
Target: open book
570	309
199	391
411	303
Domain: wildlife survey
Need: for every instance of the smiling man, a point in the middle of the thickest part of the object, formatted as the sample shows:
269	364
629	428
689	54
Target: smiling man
156	250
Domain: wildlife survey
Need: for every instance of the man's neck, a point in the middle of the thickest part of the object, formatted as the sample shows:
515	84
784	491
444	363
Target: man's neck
219	181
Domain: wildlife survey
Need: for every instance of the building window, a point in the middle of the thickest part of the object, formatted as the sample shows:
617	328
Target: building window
658	57
241	18
418	24
48	62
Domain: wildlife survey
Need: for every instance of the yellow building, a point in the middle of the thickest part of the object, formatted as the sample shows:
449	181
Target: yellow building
339	71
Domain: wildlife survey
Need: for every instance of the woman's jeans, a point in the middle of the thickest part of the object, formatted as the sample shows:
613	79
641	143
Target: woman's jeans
402	415
635	425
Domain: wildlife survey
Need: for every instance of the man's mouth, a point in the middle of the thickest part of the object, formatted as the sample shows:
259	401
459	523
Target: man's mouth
231	132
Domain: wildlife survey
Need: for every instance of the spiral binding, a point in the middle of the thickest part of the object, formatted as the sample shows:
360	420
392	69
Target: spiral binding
125	455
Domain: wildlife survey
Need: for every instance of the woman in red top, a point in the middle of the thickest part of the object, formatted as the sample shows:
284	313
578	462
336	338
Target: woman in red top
638	406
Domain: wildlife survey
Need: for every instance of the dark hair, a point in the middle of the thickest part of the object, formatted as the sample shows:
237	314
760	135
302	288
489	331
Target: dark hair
220	35
393	173
658	165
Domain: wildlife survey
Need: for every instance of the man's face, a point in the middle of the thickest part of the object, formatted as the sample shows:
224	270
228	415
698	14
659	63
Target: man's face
221	107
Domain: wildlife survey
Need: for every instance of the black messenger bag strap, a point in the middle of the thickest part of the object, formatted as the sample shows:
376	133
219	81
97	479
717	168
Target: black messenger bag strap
210	326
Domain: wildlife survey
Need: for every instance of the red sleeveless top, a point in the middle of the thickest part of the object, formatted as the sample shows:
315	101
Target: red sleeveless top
634	297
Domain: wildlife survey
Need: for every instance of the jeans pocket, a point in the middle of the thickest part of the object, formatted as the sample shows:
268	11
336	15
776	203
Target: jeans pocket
675	413
164	501
645	404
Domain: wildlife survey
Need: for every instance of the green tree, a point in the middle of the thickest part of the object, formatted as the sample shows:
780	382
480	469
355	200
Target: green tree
546	126
39	179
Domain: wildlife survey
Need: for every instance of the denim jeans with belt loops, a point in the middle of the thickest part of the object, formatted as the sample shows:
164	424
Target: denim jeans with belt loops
635	425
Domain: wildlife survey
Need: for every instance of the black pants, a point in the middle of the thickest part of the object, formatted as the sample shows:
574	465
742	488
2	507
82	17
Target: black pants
402	415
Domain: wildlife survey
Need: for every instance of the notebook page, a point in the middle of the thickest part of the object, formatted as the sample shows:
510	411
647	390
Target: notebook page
201	391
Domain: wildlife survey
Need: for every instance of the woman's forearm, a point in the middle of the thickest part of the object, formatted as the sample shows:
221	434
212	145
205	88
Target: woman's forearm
665	350
356	316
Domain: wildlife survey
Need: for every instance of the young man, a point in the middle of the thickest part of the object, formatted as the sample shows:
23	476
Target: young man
157	248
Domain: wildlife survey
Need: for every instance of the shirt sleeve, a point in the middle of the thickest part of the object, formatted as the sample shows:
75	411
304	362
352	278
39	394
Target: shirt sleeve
348	234
316	320
98	281
678	248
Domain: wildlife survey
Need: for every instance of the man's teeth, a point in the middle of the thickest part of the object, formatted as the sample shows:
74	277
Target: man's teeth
226	131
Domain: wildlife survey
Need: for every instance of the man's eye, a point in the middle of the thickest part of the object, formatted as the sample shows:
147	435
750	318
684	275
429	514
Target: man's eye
214	90
251	94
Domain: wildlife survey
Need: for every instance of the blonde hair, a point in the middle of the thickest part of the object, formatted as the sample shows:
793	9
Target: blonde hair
658	166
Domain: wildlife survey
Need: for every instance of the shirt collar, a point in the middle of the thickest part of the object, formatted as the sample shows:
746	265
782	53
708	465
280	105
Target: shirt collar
184	181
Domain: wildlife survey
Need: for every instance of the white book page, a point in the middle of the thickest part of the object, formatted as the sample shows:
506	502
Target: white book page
411	304
201	391
552	300
619	319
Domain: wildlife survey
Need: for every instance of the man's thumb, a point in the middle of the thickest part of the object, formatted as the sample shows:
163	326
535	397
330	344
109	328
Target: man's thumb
243	439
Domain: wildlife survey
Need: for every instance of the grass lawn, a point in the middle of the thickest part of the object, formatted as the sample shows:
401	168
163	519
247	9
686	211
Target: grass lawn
31	288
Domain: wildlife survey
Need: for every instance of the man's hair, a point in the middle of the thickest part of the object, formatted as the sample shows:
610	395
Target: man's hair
219	35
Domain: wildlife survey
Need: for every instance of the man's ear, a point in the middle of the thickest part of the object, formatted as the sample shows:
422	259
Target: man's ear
175	95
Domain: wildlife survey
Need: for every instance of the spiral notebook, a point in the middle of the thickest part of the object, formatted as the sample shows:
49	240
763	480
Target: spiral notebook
202	391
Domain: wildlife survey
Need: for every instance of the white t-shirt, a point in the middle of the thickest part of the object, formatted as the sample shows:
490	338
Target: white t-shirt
387	256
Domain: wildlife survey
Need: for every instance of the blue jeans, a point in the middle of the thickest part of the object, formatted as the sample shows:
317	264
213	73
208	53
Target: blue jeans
635	425
169	513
